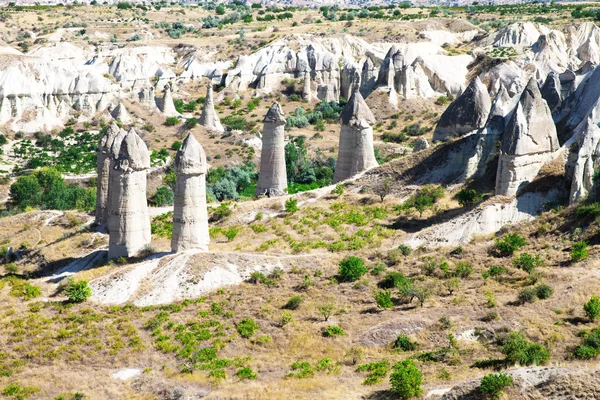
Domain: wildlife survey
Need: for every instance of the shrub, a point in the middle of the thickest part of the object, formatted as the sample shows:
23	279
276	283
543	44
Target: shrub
404	343
231	233
406	380
463	269
286	318
352	269
492	385
326	310
544	291
163	197
338	190
333	330
384	299
376	371
527	295
579	251
291	205
303	370
293	303
176	145
245	373
493	272
509	244
247	327
468	197
19	392
171	121
590	348
77	291
592	308
527	262
520	351
405	249
191	123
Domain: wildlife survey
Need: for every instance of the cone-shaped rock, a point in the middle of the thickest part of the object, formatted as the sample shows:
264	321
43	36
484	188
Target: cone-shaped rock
167	107
551	91
120	113
210	119
467	113
306	88
387	71
272	179
355	153
103	163
528	142
129	225
190	217
368	78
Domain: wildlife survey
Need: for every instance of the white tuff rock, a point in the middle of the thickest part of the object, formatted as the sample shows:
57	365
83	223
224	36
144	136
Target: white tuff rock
272	179
209	118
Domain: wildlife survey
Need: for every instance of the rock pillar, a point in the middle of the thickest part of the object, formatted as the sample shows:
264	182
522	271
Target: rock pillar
272	180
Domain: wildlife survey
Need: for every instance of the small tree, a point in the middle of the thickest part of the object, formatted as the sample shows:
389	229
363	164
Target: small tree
468	197
452	284
291	205
579	251
384	299
77	291
352	268
492	385
326	310
406	380
592	308
383	189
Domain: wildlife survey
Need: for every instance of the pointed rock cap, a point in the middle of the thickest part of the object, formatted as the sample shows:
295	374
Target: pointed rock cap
368	64
275	115
209	94
115	147
120	114
356	110
392	51
551	91
108	138
190	158
133	154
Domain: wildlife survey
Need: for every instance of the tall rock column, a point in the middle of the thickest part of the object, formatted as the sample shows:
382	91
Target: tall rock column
190	217
272	180
129	225
103	162
210	119
528	142
167	106
356	152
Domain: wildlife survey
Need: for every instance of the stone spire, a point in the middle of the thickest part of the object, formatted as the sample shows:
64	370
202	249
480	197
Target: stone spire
551	91
368	78
190	217
306	88
528	142
355	153
146	96
167	107
272	179
210	119
120	113
103	162
387	69
129	224
467	113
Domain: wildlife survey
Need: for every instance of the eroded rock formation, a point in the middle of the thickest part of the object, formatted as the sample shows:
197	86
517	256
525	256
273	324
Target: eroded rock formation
129	224
209	118
272	179
190	217
355	153
103	163
166	105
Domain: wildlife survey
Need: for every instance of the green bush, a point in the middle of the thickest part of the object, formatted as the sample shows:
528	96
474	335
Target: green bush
176	145
163	197
333	330
592	308
527	262
494	272
544	291
352	269
590	348
245	373
376	371
18	392
527	295
293	303
579	251
393	280
77	291
591	211
519	350
291	205
509	244
171	121
246	327
463	269
406	380
492	385
384	299
191	123
404	343
468	197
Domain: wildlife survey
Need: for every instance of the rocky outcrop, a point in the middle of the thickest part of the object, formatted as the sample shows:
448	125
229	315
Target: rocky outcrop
584	160
120	113
551	91
190	216
519	34
272	178
166	105
129	224
209	118
466	114
355	153
368	78
529	141
146	97
104	158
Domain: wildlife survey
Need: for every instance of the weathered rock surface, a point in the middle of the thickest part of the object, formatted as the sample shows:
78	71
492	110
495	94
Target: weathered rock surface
356	152
103	165
190	216
466	114
529	141
166	105
272	178
584	159
120	113
209	118
129	224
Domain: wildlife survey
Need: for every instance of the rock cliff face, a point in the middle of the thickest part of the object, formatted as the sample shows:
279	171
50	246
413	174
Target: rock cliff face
190	217
129	224
466	114
356	152
209	118
529	141
272	178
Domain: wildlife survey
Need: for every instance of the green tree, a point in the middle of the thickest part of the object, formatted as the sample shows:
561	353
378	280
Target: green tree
592	308
26	192
352	268
492	385
77	291
406	380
